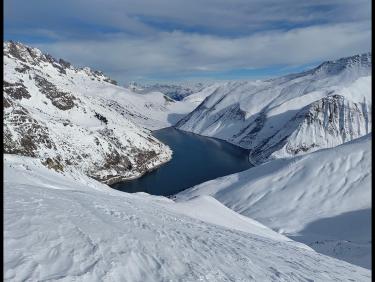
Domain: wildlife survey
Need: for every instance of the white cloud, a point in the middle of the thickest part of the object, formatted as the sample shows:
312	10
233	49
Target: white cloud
179	52
143	38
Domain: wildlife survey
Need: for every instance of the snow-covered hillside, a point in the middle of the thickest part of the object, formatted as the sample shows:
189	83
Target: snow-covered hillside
322	199
176	92
60	228
198	97
78	118
291	115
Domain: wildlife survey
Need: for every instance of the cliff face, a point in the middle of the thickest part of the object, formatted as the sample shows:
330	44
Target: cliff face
290	115
325	123
76	118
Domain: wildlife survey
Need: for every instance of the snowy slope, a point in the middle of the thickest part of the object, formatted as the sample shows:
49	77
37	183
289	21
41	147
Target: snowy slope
290	115
199	96
77	117
152	110
58	228
322	198
177	92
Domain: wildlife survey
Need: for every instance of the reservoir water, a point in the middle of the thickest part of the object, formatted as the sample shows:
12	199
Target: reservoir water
195	159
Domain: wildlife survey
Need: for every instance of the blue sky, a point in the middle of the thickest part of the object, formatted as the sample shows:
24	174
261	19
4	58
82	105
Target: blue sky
164	40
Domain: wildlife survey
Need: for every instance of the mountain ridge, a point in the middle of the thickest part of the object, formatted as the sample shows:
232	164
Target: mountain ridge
331	104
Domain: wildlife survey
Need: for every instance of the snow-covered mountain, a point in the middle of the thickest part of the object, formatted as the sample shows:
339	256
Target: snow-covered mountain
65	229
78	118
66	129
198	97
322	199
290	115
174	91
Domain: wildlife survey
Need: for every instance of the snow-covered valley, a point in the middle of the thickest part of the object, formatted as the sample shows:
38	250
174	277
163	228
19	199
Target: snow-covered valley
303	213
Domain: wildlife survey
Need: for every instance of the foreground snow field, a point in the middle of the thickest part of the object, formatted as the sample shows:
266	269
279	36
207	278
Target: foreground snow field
60	228
322	199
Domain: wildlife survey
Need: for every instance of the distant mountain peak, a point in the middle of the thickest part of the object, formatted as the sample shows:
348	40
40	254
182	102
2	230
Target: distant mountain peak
335	66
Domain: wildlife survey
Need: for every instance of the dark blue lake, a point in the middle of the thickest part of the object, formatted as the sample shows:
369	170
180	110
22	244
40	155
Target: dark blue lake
195	159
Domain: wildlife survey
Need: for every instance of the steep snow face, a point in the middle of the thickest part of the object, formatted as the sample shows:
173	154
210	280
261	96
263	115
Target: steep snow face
60	228
291	115
78	118
322	198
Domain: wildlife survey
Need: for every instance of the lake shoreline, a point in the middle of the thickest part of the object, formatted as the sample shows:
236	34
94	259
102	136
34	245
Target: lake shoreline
114	180
195	159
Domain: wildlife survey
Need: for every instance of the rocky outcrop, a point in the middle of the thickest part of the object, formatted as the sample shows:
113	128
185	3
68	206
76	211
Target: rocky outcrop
62	100
325	123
